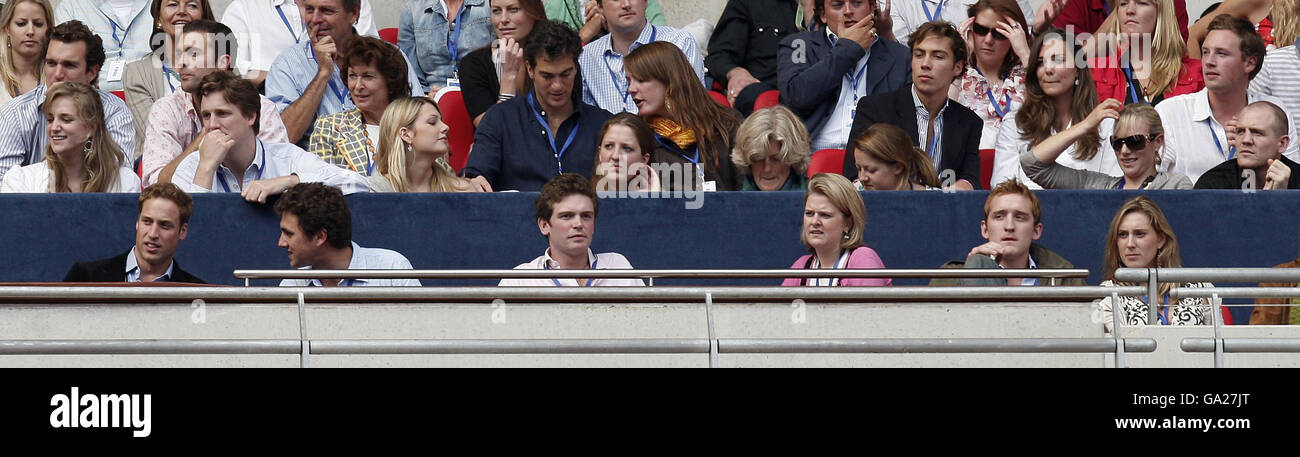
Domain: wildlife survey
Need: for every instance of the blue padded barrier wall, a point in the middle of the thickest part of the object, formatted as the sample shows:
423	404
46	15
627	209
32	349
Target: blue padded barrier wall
44	234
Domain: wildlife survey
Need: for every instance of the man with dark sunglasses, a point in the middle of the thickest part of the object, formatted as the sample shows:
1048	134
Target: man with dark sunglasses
1260	139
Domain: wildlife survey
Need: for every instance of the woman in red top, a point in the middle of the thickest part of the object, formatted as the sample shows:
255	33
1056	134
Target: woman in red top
1170	67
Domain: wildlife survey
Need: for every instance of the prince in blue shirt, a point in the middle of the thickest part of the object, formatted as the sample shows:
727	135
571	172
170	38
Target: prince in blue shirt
524	142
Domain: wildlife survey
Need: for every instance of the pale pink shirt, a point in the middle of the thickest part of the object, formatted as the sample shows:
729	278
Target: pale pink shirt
174	124
862	258
602	261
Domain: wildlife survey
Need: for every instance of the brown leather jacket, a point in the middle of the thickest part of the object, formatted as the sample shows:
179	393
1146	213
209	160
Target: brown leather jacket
1273	315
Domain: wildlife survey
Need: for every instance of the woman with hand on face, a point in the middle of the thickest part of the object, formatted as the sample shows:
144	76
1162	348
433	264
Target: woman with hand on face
497	73
886	160
412	148
690	128
146	80
1057	96
994	83
1137	144
1141	237
772	150
80	155
27	27
376	74
623	157
834	221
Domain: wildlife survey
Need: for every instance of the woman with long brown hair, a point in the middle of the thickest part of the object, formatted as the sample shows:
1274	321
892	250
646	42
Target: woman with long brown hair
80	155
690	128
1140	237
886	160
994	82
623	156
1057	95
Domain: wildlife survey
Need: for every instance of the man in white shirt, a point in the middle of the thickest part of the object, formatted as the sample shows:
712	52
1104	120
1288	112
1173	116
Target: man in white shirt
173	127
566	216
1194	123
1280	78
232	159
267	27
316	232
604	81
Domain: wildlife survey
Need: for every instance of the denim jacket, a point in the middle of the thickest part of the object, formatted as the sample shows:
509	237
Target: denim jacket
423	36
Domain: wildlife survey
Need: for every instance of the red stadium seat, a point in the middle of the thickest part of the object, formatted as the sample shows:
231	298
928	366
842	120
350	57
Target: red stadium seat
986	168
120	94
826	161
461	133
389	34
720	98
767	100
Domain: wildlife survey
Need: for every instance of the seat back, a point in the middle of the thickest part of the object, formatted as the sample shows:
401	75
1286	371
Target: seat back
986	167
461	134
767	100
389	34
826	161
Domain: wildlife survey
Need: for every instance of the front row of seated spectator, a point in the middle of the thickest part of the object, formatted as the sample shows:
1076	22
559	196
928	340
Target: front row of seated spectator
163	222
80	155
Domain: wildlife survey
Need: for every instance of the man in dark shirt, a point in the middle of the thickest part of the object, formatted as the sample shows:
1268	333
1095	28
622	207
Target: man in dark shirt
742	50
523	143
1260	139
163	222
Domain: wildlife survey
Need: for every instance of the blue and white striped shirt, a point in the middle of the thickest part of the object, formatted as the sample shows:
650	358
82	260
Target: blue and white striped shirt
604	83
22	128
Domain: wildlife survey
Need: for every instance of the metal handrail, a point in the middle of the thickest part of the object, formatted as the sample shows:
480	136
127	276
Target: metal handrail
579	346
1241	345
762	294
663	273
1181	275
1237	292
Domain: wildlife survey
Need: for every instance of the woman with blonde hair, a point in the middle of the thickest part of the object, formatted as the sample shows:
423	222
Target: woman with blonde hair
886	160
412	137
689	126
80	156
27	28
1125	70
1138	146
1140	237
623	156
771	150
834	221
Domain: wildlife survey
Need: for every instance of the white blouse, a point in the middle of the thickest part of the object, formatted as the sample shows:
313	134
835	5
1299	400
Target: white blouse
35	179
1009	146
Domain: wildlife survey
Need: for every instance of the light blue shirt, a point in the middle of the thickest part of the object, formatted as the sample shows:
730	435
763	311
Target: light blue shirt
604	82
365	259
272	160
133	269
294	70
122	43
424	35
834	134
22	128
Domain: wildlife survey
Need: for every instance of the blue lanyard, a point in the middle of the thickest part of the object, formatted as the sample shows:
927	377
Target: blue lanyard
167	76
1132	86
844	259
453	39
296	38
1001	110
550	136
613	77
342	95
125	31
695	161
260	168
937	11
1226	155
1163	315
589	280
854	79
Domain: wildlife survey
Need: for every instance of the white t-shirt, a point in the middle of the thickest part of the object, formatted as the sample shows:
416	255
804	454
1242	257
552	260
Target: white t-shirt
125	9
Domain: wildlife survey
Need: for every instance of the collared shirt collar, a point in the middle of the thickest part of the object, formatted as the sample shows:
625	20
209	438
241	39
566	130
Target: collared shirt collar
550	263
275	3
353	264
1201	105
920	107
647	32
133	269
258	162
573	115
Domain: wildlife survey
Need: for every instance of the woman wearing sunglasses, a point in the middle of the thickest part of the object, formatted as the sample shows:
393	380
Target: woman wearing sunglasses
1137	144
994	82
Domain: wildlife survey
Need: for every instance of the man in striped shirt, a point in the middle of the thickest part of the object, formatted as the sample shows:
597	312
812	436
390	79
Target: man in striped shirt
1280	78
76	54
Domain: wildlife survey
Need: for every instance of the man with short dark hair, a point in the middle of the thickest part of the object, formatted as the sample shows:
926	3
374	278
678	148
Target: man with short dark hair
174	125
566	215
524	142
945	130
232	159
1197	124
316	231
163	222
74	53
304	81
1259	140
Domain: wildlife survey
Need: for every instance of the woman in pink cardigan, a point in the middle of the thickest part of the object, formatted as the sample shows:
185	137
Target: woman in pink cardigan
833	221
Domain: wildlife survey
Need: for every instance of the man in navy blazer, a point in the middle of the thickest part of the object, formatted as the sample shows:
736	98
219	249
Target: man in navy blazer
163	221
822	73
944	129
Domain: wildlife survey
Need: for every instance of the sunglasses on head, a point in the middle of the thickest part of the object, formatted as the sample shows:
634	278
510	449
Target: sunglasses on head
982	31
1134	143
